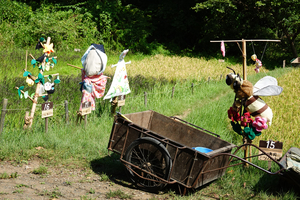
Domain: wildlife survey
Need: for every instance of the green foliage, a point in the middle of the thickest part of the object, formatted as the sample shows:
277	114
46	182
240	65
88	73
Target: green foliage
40	170
68	29
4	175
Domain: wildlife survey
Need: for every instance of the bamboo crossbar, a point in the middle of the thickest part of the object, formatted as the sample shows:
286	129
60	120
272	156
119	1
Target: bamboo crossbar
57	74
74	66
247	40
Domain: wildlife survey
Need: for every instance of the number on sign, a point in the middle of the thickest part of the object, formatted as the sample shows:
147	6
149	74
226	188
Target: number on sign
47	106
270	144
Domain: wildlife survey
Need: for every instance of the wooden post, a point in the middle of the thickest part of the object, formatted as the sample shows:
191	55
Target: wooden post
145	99
244	60
173	89
46	124
114	104
192	88
66	111
283	65
85	120
3	112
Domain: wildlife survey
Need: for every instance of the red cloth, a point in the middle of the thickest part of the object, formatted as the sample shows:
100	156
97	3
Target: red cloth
98	83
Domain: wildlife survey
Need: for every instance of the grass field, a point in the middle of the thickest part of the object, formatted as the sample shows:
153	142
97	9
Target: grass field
205	105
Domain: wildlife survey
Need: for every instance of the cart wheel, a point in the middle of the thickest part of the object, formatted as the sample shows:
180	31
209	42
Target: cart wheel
152	156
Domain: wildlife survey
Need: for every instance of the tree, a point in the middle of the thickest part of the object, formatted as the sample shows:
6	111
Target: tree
277	18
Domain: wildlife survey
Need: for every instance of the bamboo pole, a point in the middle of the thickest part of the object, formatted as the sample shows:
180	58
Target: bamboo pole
247	40
36	95
74	66
244	60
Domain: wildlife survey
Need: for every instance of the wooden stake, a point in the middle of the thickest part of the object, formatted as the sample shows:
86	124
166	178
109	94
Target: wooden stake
145	99
3	112
173	89
66	112
85	120
46	124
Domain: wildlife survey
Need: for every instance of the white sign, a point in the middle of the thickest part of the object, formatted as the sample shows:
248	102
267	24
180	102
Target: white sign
86	108
47	109
272	148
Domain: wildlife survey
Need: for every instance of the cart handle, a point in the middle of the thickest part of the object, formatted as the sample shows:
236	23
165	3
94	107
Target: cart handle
195	126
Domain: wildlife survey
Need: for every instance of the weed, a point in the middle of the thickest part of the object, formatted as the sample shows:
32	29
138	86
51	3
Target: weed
54	194
18	191
104	177
85	197
40	170
92	191
4	175
118	194
68	183
22	185
3	193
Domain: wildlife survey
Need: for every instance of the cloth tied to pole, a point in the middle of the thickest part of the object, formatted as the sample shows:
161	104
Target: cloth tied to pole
95	88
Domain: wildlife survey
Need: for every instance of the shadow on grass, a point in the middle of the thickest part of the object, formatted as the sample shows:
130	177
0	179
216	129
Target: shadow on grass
117	173
112	167
275	185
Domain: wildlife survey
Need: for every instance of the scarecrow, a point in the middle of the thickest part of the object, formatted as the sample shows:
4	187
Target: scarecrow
93	81
248	104
43	87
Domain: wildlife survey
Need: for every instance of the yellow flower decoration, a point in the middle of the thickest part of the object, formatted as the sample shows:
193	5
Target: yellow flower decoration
29	81
48	48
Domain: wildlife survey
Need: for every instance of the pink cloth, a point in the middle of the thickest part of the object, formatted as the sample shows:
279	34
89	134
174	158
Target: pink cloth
98	83
258	65
223	48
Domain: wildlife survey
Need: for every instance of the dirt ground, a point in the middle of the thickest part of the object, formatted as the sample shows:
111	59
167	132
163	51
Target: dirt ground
58	183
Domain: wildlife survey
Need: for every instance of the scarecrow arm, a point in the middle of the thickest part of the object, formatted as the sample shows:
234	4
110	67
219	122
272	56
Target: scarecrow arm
28	96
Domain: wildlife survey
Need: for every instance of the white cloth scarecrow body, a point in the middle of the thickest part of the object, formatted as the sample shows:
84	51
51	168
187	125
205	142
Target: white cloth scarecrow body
120	83
93	82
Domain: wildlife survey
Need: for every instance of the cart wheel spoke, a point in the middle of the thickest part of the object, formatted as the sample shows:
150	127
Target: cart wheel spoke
150	160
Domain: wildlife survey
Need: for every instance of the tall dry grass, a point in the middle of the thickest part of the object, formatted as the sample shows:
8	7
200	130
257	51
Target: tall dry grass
180	68
285	123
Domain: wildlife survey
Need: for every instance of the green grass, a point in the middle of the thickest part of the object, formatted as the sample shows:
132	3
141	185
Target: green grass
40	170
118	194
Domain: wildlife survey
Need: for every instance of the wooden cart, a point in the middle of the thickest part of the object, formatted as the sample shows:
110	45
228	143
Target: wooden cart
159	150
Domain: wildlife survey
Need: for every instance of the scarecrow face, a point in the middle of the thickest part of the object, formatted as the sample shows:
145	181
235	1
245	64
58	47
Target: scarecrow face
254	57
234	81
48	86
